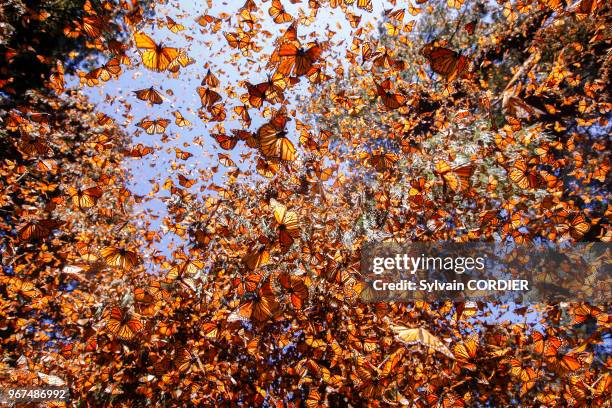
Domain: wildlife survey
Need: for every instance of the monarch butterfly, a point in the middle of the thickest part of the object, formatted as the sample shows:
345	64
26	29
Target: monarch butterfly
72	31
103	119
180	120
173	26
142	295
150	95
381	161
295	287
297	61
167	328
206	19
89	78
538	341
85	198
271	90
418	190
47	166
213	329
277	83
56	79
354	20
523	176
119	49
210	79
290	34
259	307
187	267
595	393
21	287
257	258
576	226
252	347
550	180
308	140
456	4
38	230
184	273
249	137
392	29
182	60
278	13
465	310
140	151
249	5
316	75
383	58
524	372
548	397
266	168
366	379
159	290
390	100
226	142
367	51
419	335
288	223
247	283
257	93
181	154
243	113
121	324
557	360
92	25
465	352
34	146
217	112
208	97
153	126
241	41
397	15
365	5
362	4
155	57
373	380
445	62
245	17
112	69
456	177
186	360
584	8
185	182
315	399
585	312
273	140
68	349
119	257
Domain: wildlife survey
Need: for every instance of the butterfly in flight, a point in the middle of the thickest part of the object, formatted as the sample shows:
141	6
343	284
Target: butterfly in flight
457	178
273	140
121	324
445	62
155	56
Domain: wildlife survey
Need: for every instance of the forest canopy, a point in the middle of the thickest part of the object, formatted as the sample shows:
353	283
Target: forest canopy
186	189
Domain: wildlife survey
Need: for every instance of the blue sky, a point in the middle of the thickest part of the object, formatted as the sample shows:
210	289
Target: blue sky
208	50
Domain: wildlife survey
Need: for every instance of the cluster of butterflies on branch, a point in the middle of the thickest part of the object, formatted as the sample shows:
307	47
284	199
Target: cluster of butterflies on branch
487	131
